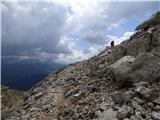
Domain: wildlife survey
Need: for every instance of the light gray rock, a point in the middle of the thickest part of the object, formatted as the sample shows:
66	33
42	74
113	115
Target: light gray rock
145	92
126	119
38	95
120	67
138	107
128	95
157	108
148	116
156	115
138	100
133	117
145	67
124	112
108	115
137	116
123	62
151	105
141	84
157	101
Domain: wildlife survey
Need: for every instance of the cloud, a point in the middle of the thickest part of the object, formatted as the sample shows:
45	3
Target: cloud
53	31
118	40
32	27
91	21
76	55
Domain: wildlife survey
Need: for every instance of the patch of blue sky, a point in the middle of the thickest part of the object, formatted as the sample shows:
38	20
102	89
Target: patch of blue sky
82	44
129	25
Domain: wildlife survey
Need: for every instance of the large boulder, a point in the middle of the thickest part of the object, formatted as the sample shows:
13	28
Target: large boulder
146	67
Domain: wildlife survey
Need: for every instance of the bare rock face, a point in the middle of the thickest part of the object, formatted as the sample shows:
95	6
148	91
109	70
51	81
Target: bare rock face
120	83
145	67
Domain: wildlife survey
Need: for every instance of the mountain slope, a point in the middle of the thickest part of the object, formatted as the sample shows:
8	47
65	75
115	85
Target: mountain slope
10	99
119	83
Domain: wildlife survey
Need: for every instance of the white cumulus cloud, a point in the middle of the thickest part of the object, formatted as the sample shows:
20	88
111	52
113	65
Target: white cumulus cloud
52	31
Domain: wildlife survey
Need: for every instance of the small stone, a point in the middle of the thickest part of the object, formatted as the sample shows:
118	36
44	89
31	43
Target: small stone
157	108
138	107
138	113
108	115
118	98
103	106
145	92
77	94
124	111
148	116
38	95
133	117
141	84
151	105
138	100
126	119
68	93
156	115
115	107
137	116
128	95
157	101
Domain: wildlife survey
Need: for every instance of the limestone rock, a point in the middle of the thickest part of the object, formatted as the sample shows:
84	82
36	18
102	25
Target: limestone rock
146	67
138	100
156	115
157	101
128	95
124	112
141	84
138	107
157	108
109	115
145	92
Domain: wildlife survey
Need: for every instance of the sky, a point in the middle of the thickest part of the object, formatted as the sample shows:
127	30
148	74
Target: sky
67	31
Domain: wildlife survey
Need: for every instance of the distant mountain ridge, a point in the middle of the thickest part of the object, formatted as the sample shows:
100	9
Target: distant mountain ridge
24	74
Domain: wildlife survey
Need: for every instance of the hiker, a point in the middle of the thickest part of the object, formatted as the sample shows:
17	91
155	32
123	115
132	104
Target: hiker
112	43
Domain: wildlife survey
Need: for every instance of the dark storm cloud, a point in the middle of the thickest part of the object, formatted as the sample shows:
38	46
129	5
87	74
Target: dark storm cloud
28	28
